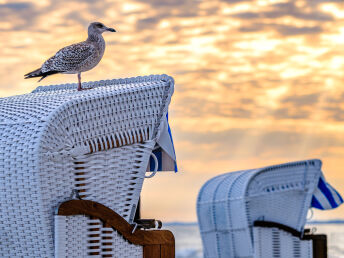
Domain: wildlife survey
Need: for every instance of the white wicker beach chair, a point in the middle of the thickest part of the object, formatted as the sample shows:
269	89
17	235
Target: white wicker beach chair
276	240
229	204
56	140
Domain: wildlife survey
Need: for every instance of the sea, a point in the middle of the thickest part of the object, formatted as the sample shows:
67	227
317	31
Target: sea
189	243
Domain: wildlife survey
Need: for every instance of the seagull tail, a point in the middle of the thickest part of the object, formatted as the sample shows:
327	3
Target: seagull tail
35	73
38	73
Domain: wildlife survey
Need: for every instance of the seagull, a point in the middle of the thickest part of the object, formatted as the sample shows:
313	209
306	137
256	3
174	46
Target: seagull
76	58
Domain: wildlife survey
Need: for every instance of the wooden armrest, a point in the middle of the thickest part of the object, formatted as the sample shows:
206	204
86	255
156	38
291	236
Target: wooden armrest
154	241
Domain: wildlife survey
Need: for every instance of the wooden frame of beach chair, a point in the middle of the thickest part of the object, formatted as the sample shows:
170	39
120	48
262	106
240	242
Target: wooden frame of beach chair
107	226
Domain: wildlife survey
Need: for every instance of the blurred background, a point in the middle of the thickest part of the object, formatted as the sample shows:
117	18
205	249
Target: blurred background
257	82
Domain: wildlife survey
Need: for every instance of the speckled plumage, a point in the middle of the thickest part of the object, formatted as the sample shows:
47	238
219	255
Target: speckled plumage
76	58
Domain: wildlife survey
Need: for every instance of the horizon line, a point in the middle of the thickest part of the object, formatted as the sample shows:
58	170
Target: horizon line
195	223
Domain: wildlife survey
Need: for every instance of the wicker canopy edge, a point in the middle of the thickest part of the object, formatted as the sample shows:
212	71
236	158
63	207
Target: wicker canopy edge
164	151
47	103
100	83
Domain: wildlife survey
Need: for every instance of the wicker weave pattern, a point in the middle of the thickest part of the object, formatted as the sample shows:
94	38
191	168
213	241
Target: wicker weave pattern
119	246
272	242
70	232
70	241
55	137
228	205
114	177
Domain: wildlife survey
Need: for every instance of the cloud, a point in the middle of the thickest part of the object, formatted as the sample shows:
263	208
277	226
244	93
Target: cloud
236	1
147	23
302	100
247	15
285	30
290	9
335	113
171	3
77	17
18	15
18	6
291	113
253	81
292	30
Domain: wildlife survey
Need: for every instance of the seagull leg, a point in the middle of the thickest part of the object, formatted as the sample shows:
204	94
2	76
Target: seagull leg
79	79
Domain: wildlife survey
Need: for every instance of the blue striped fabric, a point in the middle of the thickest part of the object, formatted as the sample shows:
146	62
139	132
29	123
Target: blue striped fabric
164	151
325	196
170	134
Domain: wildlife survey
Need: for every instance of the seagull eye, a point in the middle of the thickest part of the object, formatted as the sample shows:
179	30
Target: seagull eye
99	25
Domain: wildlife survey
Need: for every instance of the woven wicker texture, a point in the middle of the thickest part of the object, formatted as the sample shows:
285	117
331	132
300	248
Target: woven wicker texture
70	235
228	204
114	177
70	241
273	242
56	139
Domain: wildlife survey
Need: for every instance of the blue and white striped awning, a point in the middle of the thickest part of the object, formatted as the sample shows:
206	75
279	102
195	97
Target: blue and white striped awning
164	151
325	196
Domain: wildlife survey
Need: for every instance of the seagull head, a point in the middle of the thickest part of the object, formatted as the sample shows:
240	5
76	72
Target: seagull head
98	28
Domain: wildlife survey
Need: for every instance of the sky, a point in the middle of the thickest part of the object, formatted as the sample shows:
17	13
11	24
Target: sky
257	82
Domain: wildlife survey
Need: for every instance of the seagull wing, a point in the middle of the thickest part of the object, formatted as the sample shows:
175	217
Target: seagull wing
69	58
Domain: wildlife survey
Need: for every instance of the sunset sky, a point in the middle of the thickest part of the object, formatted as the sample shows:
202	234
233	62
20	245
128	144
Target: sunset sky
257	82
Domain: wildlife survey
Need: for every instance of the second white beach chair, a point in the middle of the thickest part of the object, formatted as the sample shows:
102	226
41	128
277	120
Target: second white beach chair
258	212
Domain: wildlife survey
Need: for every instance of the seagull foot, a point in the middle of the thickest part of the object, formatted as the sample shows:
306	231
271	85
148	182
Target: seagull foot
80	89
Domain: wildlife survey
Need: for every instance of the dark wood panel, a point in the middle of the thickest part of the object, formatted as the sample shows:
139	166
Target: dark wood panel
319	246
151	251
111	218
167	251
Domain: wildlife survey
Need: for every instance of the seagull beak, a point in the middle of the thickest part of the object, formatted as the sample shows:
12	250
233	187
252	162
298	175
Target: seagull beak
111	29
